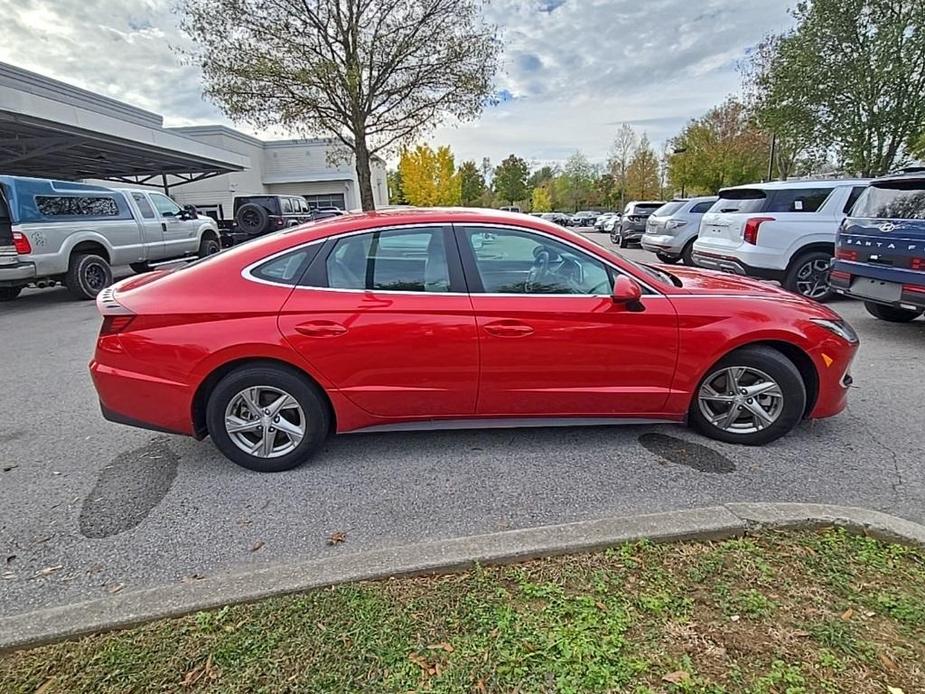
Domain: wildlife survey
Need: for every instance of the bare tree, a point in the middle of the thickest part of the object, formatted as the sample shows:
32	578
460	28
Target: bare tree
373	73
621	151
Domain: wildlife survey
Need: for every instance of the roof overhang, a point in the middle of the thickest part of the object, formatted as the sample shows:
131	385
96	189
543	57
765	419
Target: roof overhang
52	130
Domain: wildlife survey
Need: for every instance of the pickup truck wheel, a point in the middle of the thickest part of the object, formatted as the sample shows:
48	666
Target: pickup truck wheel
209	246
139	268
9	293
87	275
809	275
892	313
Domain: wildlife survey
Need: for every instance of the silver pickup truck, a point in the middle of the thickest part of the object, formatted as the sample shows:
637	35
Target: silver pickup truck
75	233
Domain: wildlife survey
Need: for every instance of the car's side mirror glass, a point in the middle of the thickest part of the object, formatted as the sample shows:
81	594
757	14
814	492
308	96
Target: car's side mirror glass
626	290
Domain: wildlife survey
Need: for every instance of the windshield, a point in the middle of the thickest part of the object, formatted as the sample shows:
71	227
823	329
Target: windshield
740	200
893	200
669	208
658	274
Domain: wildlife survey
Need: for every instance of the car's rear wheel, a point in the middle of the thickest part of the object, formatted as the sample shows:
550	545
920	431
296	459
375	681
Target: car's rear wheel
9	293
687	255
892	314
752	396
267	418
669	259
809	275
87	275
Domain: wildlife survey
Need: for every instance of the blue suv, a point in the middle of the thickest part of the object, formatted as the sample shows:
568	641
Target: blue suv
880	248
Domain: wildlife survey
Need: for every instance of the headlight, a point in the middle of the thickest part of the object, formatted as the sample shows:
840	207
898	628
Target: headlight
839	327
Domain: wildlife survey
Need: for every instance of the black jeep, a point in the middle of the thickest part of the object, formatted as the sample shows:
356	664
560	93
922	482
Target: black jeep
255	215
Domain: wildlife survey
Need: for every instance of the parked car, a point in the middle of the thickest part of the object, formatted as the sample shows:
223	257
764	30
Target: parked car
880	248
61	231
256	215
612	224
510	208
602	220
585	218
559	218
633	223
672	229
504	320
783	230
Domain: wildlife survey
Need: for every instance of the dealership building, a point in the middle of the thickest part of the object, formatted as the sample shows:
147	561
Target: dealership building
50	129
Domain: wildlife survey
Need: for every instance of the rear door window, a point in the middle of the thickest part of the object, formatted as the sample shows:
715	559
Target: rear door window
143	205
798	199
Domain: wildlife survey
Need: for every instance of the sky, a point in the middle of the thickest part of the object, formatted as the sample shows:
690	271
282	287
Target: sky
574	70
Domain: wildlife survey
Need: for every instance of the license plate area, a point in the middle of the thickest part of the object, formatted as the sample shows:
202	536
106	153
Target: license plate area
876	289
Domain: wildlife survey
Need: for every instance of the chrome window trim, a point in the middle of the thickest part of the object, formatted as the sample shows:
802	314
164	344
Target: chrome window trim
247	272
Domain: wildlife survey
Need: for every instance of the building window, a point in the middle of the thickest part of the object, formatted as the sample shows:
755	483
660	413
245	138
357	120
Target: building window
326	200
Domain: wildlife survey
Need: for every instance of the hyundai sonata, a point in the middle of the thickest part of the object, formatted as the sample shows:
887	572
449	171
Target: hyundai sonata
420	319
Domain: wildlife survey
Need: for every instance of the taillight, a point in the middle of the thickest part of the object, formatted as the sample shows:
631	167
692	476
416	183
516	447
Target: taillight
918	264
842	254
913	289
751	229
839	275
21	243
113	325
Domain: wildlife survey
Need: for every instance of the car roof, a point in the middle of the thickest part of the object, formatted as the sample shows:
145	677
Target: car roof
913	173
800	183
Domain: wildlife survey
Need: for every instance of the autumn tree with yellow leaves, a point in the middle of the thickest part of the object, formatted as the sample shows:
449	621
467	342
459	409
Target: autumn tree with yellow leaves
429	177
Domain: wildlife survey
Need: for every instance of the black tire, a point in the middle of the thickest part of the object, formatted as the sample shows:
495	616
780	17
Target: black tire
667	259
614	238
87	275
893	314
9	293
776	366
306	394
815	263
209	245
623	243
253	219
140	268
687	255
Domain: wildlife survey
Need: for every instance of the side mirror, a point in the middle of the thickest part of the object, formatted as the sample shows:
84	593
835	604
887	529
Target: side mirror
626	290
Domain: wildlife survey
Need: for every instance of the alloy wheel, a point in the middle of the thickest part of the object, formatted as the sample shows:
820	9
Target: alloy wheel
740	399
265	422
812	279
95	277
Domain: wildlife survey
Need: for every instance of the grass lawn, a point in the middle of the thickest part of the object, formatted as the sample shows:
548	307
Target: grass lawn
780	612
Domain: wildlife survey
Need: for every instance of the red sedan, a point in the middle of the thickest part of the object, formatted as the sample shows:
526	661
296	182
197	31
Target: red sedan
420	319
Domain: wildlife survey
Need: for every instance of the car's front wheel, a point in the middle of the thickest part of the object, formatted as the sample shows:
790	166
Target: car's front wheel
209	246
752	396
267	417
892	314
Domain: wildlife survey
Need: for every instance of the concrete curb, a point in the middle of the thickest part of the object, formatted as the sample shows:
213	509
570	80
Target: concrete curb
711	523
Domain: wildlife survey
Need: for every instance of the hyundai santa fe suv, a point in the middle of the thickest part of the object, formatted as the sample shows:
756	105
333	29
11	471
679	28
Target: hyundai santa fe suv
880	249
783	230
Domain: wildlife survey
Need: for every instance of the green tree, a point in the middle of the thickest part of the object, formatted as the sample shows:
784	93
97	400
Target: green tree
472	184
854	70
642	172
721	148
372	73
575	186
429	177
396	191
541	199
510	179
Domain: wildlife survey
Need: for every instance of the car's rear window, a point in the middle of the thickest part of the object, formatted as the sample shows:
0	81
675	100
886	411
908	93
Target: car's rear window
647	207
669	208
743	200
892	200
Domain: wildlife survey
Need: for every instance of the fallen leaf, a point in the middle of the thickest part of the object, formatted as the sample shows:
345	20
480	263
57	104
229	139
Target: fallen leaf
847	614
888	662
116	588
9	575
48	570
420	662
257	545
601	606
45	685
8	468
441	647
337	537
802	634
735	618
676	677
480	687
894	690
206	670
56	473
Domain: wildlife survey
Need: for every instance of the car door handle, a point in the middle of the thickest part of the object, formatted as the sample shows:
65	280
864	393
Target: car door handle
508	328
321	328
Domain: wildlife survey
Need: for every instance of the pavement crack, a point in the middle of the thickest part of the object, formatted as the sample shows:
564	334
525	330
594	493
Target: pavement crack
898	481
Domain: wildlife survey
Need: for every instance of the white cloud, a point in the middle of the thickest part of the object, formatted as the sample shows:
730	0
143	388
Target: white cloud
575	68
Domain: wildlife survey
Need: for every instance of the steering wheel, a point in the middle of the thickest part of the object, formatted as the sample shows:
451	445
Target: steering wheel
539	270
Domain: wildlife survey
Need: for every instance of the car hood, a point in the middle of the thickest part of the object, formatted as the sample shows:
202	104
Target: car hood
700	281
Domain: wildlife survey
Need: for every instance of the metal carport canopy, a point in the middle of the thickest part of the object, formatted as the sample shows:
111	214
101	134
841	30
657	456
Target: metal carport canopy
50	129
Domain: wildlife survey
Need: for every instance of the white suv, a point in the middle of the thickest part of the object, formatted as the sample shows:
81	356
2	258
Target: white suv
783	230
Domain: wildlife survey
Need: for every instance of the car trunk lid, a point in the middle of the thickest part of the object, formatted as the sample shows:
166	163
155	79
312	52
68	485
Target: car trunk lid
724	225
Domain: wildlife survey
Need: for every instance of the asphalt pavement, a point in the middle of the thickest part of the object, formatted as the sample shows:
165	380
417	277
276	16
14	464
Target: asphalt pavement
89	508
